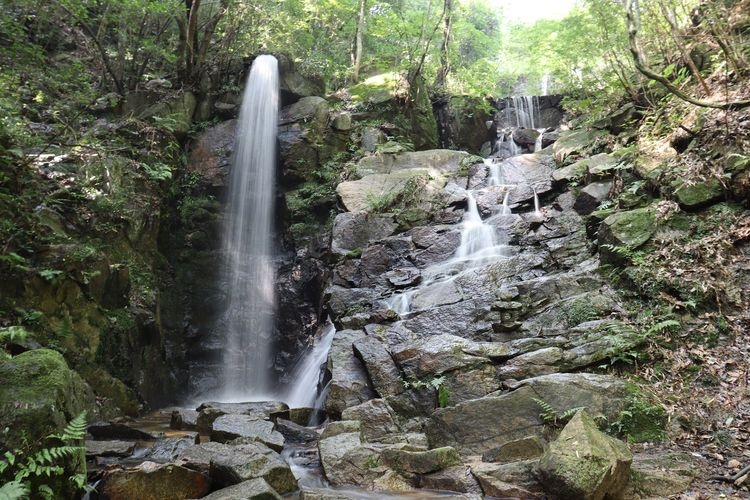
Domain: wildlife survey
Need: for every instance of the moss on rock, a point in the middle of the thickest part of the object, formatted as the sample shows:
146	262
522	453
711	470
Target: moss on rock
39	394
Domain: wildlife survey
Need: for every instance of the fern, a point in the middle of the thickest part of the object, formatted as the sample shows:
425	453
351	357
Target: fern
551	417
659	327
14	490
44	463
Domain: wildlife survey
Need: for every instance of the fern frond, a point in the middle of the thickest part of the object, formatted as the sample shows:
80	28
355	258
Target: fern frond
663	325
75	430
14	490
568	414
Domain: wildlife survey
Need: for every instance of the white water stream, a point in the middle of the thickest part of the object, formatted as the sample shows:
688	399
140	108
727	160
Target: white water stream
247	238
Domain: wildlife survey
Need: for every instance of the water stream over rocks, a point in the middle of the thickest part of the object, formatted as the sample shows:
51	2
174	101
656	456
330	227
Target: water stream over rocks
445	331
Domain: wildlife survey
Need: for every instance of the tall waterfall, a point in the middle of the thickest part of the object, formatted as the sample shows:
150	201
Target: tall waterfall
247	237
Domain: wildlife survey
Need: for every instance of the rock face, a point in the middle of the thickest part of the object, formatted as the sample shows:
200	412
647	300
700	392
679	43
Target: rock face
585	463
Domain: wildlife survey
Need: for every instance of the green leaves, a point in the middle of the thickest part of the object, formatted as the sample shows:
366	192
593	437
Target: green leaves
23	466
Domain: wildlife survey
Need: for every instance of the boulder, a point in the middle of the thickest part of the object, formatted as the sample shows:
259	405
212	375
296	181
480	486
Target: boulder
383	372
167	450
178	110
229	427
183	419
480	425
211	152
525	136
152	481
511	480
630	229
572	172
311	108
370	138
420	462
572	142
232	464
444	161
457	478
658	474
549	138
116	430
341	121
521	449
349	384
386	192
700	194
584	463
346	460
254	489
591	196
375	417
109	448
602	165
39	394
209	412
354	231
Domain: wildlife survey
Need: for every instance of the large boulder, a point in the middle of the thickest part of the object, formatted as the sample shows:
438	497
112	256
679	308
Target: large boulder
480	425
152	481
354	231
630	229
232	464
254	489
584	463
572	142
464	124
346	460
420	462
39	395
229	427
211	152
699	194
349	384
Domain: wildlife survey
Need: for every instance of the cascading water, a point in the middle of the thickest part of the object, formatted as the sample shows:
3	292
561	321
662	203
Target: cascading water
306	376
247	238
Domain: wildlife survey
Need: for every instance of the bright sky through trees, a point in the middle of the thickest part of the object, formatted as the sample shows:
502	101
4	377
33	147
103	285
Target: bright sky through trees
529	11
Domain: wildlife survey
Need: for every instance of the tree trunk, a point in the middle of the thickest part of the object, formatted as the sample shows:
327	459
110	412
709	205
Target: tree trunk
634	25
442	73
358	38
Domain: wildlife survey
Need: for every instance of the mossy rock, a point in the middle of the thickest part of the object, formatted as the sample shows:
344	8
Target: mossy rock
107	386
692	196
378	89
39	395
574	141
631	229
584	463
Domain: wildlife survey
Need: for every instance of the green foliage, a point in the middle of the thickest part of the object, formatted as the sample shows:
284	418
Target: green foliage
640	421
437	383
33	470
552	417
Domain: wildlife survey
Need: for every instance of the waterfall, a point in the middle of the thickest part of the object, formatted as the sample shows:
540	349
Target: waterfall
247	237
526	110
306	376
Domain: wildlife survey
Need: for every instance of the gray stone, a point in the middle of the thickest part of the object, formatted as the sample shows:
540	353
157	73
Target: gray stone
591	196
602	165
479	425
584	463
574	141
354	231
152	481
232	464
572	172
183	419
229	427
521	449
512	480
349	384
525	136
312	108
370	137
457	478
420	462
109	448
375	417
659	474
342	121
346	460
384	374
443	161
254	489
630	229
